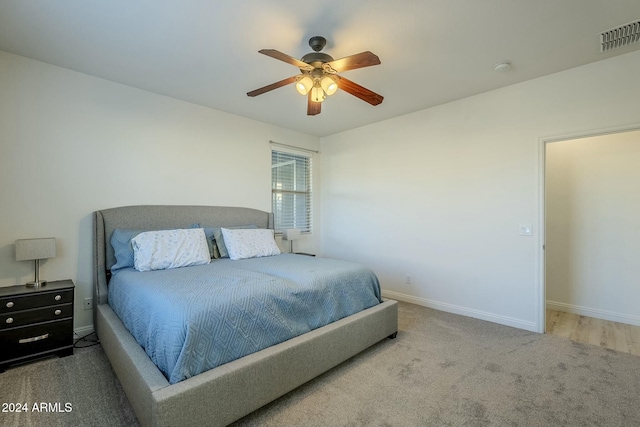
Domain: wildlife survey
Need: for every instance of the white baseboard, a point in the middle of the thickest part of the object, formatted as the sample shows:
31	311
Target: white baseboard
83	330
594	312
464	311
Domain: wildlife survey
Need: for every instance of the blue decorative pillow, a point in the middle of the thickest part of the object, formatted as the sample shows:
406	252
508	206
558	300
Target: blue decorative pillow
123	251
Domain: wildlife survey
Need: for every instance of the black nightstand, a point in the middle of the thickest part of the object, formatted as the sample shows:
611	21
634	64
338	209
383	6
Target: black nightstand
35	322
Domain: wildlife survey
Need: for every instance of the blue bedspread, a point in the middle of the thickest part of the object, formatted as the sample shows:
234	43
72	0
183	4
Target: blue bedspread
192	319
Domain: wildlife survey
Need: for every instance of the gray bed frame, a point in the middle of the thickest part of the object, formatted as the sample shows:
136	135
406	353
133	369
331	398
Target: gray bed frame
225	394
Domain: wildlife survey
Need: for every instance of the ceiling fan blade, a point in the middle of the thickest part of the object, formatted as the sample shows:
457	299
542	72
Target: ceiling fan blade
272	86
313	108
359	60
286	58
359	91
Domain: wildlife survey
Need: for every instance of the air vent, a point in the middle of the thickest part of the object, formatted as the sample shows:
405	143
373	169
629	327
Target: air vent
623	35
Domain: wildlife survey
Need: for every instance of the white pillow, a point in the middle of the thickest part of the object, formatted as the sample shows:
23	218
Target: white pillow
164	249
249	243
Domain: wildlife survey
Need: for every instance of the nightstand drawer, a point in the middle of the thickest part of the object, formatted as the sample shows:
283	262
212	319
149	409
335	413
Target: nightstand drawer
41	299
29	340
27	317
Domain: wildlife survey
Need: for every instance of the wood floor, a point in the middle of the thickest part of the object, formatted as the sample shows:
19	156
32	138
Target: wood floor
616	336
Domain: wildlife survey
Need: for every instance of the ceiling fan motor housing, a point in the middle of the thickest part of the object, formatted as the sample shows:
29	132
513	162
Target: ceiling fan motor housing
317	58
321	58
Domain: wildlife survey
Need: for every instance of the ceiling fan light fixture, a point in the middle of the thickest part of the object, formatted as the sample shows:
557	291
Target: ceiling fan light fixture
317	94
304	85
329	85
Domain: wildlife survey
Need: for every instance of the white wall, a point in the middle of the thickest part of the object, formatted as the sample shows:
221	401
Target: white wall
439	194
593	226
71	144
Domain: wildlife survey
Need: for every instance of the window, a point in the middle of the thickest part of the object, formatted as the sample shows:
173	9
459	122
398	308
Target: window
291	191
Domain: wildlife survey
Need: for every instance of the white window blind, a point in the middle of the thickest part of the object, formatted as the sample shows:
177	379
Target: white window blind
291	191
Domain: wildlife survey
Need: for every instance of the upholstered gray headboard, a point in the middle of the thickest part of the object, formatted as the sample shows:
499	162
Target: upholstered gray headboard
152	217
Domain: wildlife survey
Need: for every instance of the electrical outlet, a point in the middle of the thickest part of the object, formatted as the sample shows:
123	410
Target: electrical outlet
408	279
88	303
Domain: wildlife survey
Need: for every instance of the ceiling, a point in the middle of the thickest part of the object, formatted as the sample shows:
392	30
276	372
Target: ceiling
206	52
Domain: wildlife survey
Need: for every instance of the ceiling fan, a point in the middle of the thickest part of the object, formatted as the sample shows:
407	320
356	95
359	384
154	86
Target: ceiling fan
319	77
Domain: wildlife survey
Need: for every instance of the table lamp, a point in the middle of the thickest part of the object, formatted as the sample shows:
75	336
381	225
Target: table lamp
36	249
291	235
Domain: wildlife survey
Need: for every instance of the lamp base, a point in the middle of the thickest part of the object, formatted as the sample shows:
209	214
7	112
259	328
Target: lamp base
34	284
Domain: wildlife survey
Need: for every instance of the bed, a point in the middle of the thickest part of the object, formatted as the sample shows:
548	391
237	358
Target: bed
226	393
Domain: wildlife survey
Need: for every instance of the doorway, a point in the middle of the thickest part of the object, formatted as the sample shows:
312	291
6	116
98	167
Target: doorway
591	217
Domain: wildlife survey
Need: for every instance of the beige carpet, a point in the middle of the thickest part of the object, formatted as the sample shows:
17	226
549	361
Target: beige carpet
79	390
442	370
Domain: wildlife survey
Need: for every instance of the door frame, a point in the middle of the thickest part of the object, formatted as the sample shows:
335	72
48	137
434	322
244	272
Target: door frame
541	303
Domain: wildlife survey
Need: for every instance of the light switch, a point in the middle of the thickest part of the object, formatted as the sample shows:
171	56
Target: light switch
525	230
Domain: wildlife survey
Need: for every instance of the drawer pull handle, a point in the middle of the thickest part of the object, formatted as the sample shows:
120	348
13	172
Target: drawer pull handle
9	320
58	298
57	312
32	339
10	304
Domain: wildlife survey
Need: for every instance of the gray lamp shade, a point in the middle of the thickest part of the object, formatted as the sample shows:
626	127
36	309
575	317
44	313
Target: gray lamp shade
32	249
291	234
